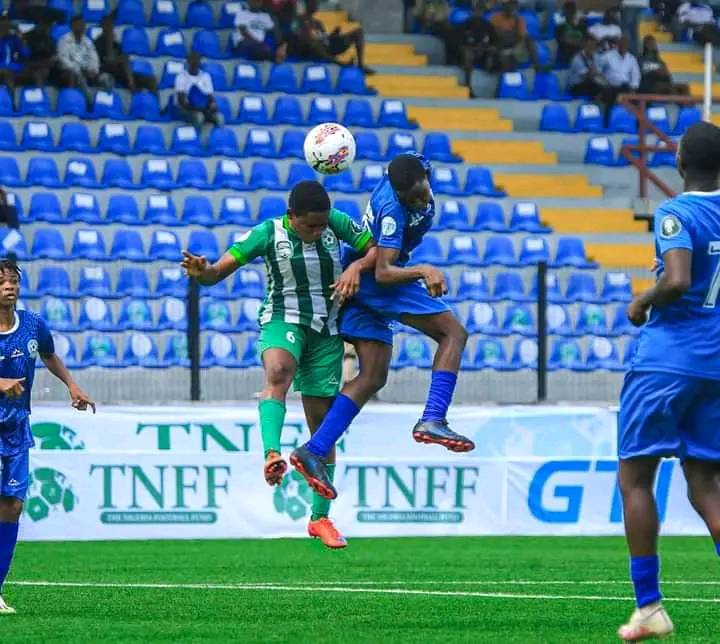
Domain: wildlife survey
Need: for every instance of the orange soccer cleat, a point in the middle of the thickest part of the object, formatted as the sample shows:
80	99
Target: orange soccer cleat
275	468
325	530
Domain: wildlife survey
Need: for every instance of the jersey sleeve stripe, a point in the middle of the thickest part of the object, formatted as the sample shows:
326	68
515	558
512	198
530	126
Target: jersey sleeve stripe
362	241
239	257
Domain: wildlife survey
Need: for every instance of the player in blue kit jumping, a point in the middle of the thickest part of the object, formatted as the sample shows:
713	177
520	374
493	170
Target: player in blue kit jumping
23	337
400	212
670	402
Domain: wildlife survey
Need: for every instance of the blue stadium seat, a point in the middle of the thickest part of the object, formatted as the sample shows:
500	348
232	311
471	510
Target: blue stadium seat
114	138
622	120
473	285
510	286
592	320
94	10
581	288
10	172
192	173
547	85
108	105
215	315
558	320
552	285
95	315
203	242
482	318
99	351
429	252
299	172
566	354
620	323
171	42
34	101
350	208
160	209
156	173
219	291
282	79
7	136
128	244
588	118
532	24
145	106
173	312
658	116
322	110
80	172
453	216
133	282
136	315
253	110
270	208
533	250
554	118
130	12
164	244
248	283
185	140
260	142
229	174
165	13
75	137
490	217
351	80
88	244
235	211
519	320
6	103
140	348
514	85
264	176
489	354
662	157
394	114
445	181
135	42
117	174
220	351
248	317
479	181
171	282
207	43
37	135
54	280
525	355
414	352
65	349
372	174
464	249
48	243
176	351
525	217
171	69
368	146
288	111
603	354
436	147
341	182
291	145
12	241
45	206
687	116
247	78
499	250
617	287
149	139
223	142
358	113
58	314
600	151
571	252
199	15
400	143
227	14
316	79
43	171
94	281
84	208
71	102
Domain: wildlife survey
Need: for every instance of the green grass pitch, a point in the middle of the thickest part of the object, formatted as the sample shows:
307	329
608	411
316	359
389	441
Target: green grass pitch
378	590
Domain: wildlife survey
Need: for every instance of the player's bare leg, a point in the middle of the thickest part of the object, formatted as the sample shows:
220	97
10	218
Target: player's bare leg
451	337
703	479
10	511
637	480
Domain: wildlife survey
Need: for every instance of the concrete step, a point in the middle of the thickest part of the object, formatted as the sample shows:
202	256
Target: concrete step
400	85
534	185
592	220
684	62
621	255
504	152
460	119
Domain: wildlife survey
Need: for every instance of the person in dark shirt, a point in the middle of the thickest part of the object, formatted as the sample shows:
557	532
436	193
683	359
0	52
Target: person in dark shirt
656	78
570	34
41	62
478	38
13	54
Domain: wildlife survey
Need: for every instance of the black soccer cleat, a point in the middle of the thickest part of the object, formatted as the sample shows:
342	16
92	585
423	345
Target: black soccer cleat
311	467
438	432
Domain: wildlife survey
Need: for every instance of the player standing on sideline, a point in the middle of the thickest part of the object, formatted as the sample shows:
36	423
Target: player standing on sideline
400	212
670	402
23	336
299	338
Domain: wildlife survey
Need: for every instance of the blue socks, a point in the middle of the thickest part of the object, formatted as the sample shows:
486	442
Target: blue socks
645	572
8	539
442	387
333	426
717	548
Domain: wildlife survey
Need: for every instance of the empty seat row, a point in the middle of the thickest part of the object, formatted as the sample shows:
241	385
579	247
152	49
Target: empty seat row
600	151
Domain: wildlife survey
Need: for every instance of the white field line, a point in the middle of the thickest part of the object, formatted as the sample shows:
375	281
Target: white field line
344	590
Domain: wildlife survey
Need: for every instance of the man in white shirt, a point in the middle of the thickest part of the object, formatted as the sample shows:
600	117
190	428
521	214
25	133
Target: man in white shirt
700	19
257	36
194	95
621	68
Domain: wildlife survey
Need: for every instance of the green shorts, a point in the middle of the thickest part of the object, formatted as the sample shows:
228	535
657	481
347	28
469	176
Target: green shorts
319	357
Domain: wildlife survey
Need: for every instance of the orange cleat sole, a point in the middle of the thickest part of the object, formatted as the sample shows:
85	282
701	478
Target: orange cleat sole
316	484
274	470
452	445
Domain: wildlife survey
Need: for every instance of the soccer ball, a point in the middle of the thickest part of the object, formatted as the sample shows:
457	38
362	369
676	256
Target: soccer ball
329	148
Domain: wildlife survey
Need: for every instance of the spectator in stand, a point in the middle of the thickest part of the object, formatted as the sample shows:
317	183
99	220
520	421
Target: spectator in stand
699	18
584	76
630	13
621	69
314	43
194	95
13	54
656	78
258	36
570	33
431	16
79	61
608	32
513	43
116	64
42	63
478	43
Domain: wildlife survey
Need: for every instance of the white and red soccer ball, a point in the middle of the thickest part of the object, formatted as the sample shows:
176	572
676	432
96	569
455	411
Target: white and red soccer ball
329	148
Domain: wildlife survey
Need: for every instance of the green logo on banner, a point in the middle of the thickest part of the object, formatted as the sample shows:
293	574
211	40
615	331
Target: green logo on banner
293	497
56	436
49	492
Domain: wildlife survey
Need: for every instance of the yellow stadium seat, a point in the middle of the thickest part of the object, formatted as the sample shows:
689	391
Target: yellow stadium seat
592	220
504	152
622	255
476	119
547	185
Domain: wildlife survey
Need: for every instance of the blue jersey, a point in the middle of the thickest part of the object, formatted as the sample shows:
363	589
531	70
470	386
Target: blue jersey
683	337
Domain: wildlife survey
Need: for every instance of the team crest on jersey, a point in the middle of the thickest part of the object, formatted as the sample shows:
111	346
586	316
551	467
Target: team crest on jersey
32	348
670	227
388	226
283	249
328	240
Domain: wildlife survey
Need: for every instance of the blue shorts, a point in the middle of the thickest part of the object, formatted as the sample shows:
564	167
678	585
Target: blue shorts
368	315
668	414
15	474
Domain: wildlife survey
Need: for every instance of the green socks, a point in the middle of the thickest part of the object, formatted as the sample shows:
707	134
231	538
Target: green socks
320	505
272	419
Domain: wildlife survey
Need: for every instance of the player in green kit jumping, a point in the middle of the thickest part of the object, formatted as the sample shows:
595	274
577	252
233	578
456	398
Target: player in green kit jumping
299	338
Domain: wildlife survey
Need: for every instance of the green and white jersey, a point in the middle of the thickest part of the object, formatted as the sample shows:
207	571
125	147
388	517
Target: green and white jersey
300	274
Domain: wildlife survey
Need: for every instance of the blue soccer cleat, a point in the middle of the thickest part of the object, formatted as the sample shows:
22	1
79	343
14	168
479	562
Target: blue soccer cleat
311	467
439	433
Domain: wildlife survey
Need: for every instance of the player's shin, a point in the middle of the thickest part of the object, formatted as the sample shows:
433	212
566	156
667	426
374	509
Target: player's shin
321	505
272	419
8	539
336	421
442	388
